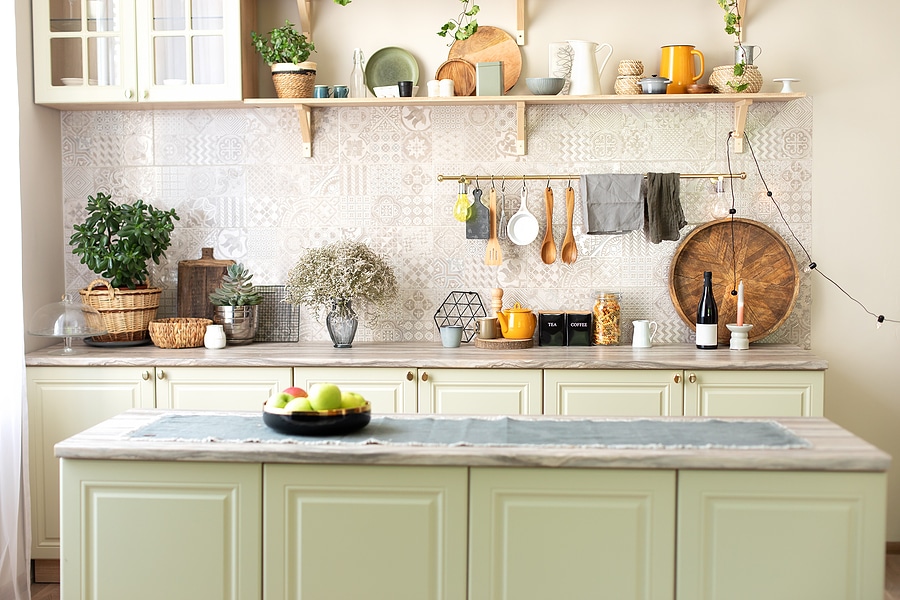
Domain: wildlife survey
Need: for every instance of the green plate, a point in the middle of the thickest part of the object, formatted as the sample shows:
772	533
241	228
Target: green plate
390	65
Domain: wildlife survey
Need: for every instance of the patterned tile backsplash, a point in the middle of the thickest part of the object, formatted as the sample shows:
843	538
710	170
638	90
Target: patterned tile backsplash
240	184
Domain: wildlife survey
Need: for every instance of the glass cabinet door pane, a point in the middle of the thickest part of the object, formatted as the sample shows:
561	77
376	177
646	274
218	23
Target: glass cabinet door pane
170	60
65	15
206	14
209	65
103	15
169	15
104	58
66	67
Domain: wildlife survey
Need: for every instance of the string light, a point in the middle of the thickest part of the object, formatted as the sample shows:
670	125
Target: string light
810	265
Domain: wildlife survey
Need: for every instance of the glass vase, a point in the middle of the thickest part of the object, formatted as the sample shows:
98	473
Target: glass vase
341	323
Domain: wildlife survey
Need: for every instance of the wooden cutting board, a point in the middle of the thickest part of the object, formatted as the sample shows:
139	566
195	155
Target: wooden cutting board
503	344
489	44
758	255
462	72
197	279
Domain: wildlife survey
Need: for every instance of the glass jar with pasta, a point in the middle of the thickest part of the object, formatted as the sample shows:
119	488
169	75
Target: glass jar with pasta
606	319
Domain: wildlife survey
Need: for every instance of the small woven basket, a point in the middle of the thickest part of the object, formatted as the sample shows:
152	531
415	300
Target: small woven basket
627	85
178	332
294	84
631	67
724	74
126	313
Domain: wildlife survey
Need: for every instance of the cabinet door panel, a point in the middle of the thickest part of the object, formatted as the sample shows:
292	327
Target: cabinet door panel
570	533
612	393
754	394
178	531
480	391
63	401
218	388
364	532
390	390
780	535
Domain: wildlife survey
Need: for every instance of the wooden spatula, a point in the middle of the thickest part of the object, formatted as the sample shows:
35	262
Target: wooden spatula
569	251
494	254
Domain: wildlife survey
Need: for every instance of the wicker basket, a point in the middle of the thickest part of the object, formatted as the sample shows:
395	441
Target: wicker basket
178	332
628	85
294	84
724	74
126	313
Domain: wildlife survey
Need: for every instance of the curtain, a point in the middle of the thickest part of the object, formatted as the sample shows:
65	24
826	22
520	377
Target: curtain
15	540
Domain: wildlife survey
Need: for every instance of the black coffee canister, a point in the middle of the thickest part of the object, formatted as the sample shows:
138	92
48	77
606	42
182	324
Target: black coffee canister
578	328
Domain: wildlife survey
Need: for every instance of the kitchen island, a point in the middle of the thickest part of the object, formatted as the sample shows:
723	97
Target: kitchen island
180	504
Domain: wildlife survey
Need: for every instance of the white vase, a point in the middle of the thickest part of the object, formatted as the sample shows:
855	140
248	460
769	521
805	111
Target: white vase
214	338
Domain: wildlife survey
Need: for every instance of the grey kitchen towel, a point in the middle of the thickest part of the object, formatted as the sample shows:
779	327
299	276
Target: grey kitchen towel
665	218
611	203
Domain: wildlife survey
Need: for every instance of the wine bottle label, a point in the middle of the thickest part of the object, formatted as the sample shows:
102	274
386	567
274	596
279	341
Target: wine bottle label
707	335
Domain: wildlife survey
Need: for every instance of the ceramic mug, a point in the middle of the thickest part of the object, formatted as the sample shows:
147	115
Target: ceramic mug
488	328
341	91
644	331
321	91
451	335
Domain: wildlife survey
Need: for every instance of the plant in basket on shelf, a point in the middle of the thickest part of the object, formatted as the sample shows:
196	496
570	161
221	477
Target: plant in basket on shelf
286	51
237	305
336	276
742	76
117	241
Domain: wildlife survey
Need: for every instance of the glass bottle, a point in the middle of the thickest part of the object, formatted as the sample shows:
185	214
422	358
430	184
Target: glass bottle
606	319
358	75
707	316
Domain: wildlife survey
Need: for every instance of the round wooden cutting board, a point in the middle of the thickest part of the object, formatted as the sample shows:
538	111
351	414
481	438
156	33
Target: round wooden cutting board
762	259
489	44
504	344
462	72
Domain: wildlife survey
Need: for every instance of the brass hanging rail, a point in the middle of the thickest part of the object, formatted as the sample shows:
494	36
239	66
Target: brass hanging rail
466	178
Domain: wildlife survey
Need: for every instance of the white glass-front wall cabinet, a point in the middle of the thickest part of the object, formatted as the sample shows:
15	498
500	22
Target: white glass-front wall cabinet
121	51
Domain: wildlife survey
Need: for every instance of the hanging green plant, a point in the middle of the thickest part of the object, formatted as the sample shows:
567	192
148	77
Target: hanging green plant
460	28
733	27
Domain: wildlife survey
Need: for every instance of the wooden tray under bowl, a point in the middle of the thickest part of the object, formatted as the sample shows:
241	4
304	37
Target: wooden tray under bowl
762	259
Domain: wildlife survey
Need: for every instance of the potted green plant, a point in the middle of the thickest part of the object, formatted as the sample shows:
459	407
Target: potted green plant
342	277
739	77
461	28
286	51
237	305
117	242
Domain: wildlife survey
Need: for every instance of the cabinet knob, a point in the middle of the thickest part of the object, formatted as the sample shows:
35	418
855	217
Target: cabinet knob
146	94
410	376
692	378
145	375
129	94
424	376
160	374
677	378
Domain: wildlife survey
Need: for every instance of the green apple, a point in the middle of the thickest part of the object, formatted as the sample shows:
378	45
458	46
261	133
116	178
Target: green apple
325	396
278	400
299	404
352	400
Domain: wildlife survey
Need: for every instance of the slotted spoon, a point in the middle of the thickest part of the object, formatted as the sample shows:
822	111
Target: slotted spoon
494	254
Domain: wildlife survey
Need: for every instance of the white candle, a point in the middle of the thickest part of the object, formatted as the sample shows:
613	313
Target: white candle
740	303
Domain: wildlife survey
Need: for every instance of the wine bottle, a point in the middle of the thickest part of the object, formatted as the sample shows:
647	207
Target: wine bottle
707	316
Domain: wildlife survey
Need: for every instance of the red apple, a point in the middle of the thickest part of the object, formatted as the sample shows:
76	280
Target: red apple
295	392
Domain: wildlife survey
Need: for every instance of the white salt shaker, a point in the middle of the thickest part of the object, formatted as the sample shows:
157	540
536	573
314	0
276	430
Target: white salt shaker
434	88
214	338
446	87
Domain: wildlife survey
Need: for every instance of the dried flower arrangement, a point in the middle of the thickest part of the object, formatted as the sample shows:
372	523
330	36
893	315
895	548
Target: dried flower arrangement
341	271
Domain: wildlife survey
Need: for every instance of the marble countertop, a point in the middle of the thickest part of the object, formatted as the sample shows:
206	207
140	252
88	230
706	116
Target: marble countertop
775	357
831	448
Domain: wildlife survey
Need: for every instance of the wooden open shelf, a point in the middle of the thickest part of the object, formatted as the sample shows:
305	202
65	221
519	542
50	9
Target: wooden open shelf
741	104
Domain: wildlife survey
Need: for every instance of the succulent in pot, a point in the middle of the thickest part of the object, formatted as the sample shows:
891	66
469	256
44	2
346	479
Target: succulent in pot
236	304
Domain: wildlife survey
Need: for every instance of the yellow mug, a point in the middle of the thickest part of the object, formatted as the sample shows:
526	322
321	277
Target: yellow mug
677	64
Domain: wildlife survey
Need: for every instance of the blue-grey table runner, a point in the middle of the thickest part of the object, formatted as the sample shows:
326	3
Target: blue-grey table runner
488	431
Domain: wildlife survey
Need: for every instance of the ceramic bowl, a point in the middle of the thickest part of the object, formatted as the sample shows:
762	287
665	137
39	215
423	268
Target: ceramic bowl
545	86
320	423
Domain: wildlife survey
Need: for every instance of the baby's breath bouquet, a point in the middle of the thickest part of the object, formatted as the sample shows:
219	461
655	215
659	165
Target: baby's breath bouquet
340	272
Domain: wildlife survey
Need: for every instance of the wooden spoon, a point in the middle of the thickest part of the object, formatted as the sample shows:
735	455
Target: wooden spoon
569	250
548	246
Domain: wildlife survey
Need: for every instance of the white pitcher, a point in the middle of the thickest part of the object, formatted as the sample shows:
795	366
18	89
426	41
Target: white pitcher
644	331
585	77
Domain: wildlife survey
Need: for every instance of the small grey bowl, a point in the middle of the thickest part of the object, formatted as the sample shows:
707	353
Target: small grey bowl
545	86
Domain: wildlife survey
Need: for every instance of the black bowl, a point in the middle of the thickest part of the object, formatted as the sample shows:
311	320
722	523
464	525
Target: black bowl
326	422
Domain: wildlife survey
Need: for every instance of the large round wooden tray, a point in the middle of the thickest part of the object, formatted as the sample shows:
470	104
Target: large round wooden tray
762	259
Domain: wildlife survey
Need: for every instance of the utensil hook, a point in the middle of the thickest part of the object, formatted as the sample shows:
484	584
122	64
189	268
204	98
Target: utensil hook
492	182
477	187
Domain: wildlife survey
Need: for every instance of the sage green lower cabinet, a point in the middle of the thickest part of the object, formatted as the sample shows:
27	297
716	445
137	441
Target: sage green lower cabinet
389	389
571	533
754	393
334	532
612	393
780	535
158	530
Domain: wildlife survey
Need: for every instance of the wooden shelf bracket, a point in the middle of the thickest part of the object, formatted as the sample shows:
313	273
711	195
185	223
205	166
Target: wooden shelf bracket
520	22
304	6
305	114
740	123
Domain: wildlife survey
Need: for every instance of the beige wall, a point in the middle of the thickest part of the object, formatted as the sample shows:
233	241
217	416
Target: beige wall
843	54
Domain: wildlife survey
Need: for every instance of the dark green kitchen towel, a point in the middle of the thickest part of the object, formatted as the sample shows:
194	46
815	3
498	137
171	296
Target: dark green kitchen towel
662	198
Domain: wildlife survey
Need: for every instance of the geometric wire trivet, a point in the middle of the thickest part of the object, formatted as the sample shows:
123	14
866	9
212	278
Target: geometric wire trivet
460	308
